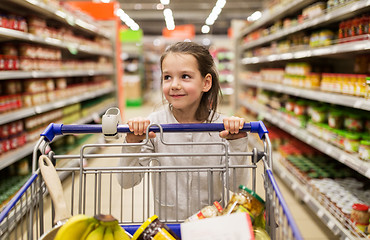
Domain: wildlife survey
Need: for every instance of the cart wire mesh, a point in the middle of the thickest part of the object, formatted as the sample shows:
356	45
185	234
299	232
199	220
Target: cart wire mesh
96	190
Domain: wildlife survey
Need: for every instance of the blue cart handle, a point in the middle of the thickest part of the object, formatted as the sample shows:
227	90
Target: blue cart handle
59	129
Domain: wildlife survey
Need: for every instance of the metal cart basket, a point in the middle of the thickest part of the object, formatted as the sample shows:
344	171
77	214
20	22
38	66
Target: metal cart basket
28	214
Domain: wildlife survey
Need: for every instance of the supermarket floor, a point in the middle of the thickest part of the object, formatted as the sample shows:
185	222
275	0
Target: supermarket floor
309	225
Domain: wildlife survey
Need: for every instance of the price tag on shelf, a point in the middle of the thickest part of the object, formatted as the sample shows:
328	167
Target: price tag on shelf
367	174
320	213
329	150
72	48
306	198
343	158
330	224
71	20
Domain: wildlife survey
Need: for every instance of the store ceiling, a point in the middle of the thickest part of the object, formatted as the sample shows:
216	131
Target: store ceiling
195	12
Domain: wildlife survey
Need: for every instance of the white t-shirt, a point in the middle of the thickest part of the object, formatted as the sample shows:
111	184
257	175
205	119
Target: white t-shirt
189	190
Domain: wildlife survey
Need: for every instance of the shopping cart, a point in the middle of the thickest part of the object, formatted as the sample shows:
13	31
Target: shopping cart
97	190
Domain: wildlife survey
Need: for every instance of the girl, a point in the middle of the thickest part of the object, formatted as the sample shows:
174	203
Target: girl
190	85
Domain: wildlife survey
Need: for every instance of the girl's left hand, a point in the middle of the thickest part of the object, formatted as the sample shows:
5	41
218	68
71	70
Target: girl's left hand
232	127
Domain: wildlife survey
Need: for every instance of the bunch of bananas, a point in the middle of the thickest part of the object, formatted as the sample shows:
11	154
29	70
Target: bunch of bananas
100	227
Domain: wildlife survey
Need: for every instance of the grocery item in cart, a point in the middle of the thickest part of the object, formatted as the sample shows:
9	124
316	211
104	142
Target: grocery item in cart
79	226
206	212
153	228
245	200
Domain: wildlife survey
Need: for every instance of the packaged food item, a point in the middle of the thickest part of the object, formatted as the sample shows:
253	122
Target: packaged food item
335	119
351	142
245	200
206	212
353	122
300	108
360	216
318	114
364	150
153	228
261	234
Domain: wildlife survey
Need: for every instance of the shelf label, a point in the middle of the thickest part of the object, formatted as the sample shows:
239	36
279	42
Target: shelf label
342	158
367	174
34	74
357	104
329	150
320	213
72	48
330	225
71	20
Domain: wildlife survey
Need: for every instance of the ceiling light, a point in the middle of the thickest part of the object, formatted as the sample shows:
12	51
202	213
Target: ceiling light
217	9
168	17
255	16
105	1
127	20
220	3
165	2
205	29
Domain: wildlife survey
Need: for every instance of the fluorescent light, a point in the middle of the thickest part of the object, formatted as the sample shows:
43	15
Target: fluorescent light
217	9
105	1
127	20
167	13
205	29
220	3
168	17
165	2
255	16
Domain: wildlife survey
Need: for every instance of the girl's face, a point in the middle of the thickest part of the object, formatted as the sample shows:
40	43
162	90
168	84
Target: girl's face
183	84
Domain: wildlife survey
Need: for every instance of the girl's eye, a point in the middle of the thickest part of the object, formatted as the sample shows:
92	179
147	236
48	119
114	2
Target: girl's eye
185	76
166	77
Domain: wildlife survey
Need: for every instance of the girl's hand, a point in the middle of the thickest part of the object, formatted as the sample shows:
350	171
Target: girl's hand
232	127
138	128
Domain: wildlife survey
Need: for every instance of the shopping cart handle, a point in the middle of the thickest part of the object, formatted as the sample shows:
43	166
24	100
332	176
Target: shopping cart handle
59	129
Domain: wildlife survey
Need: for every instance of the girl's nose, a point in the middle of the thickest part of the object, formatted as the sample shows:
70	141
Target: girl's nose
175	84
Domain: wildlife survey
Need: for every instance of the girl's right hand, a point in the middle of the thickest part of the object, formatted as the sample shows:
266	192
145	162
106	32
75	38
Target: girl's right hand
138	128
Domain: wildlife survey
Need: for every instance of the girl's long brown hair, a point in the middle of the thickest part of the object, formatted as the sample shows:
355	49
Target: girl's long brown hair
206	65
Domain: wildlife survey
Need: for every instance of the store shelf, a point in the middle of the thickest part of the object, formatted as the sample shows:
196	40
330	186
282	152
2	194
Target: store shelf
303	193
19	114
57	14
339	99
13	156
338	14
8	75
73	47
280	12
350	160
356	46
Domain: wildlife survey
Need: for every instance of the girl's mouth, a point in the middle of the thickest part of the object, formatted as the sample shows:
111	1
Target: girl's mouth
177	96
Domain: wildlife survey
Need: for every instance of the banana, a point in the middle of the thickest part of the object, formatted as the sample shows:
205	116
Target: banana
76	227
119	233
97	233
108	235
114	230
